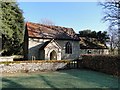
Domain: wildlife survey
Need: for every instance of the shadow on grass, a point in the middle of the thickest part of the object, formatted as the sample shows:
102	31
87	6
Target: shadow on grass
56	82
11	84
97	78
49	83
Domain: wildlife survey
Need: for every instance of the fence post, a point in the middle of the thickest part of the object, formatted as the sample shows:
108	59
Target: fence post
77	63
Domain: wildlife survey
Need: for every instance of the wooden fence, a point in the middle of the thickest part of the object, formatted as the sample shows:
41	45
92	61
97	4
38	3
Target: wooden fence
75	64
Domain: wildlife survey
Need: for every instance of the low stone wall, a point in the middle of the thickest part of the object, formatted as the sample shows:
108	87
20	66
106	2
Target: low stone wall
3	59
31	67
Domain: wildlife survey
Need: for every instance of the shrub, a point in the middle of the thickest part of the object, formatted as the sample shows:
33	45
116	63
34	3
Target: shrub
104	63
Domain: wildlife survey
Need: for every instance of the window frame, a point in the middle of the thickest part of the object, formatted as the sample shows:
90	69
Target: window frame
68	48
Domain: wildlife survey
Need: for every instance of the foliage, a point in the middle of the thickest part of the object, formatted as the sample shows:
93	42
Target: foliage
100	36
12	27
103	63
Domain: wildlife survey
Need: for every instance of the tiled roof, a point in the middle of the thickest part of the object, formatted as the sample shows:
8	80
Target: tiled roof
53	32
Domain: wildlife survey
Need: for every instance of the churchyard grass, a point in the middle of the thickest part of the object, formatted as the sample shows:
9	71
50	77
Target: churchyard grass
73	78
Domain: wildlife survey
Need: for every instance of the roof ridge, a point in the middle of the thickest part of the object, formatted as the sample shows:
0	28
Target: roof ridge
58	32
50	25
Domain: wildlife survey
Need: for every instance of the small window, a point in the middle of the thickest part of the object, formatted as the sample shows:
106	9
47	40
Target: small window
68	48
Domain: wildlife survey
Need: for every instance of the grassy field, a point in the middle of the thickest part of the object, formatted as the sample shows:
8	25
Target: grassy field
60	79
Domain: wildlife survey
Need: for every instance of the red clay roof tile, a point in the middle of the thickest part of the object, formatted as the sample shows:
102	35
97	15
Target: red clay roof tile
53	32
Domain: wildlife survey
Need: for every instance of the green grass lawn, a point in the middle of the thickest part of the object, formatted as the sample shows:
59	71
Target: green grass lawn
60	79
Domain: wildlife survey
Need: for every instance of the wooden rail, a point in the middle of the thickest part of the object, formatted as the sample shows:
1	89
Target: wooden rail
75	64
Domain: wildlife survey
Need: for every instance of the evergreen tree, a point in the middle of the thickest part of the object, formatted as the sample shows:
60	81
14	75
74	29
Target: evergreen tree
12	27
102	37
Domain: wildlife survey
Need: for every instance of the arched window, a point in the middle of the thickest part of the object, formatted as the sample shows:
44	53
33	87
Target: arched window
68	48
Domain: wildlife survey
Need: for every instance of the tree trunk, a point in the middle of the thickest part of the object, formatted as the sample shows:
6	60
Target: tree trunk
119	28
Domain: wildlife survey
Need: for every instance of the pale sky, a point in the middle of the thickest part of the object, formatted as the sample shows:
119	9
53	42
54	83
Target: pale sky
76	15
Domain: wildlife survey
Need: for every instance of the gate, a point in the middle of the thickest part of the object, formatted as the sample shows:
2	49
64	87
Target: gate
75	64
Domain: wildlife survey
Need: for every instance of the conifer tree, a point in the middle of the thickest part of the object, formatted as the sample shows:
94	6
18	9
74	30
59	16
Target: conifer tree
12	27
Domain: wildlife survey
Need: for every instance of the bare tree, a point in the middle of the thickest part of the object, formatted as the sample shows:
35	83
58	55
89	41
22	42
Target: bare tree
113	42
112	14
46	21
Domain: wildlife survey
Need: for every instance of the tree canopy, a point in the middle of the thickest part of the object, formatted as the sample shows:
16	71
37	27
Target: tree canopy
12	27
100	36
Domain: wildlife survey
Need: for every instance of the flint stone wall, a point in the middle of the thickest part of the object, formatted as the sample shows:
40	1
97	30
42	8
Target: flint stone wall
31	67
9	58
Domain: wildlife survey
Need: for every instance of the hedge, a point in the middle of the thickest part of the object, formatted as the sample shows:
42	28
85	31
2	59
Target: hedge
103	63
